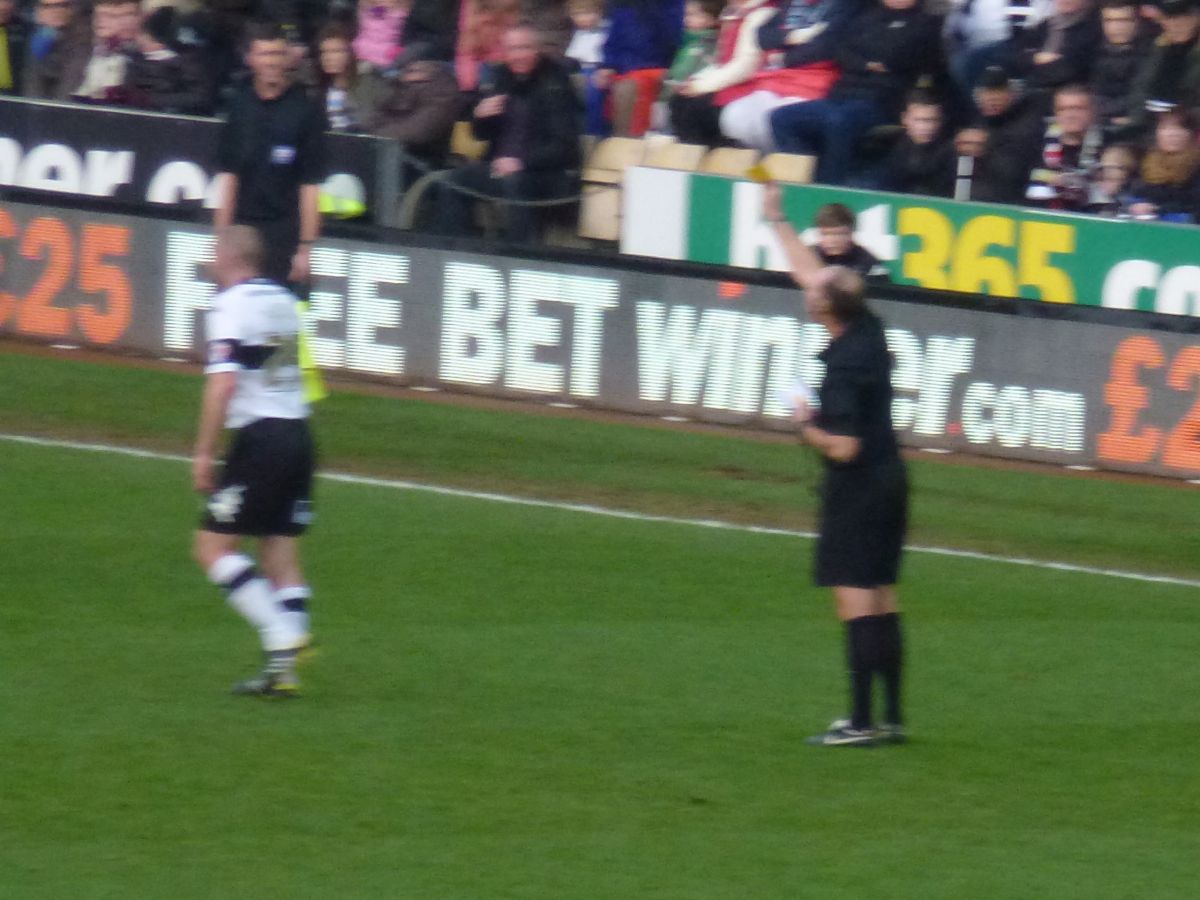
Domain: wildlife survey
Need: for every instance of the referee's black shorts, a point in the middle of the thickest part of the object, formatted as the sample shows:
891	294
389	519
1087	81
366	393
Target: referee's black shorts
265	486
864	516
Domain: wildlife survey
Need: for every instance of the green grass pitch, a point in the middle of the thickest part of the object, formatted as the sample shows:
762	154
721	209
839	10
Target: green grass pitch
535	703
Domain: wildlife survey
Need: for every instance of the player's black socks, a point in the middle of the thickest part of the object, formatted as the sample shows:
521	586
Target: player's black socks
860	650
891	663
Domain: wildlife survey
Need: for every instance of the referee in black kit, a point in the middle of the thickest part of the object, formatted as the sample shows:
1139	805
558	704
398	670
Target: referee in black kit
272	158
864	497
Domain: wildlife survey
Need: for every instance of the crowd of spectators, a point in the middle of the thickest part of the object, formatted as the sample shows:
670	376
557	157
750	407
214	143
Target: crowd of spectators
1078	105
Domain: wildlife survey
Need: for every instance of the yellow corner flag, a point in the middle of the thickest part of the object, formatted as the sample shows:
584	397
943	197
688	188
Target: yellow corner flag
314	385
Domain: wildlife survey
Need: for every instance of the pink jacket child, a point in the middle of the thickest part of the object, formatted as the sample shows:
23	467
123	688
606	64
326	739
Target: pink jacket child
380	24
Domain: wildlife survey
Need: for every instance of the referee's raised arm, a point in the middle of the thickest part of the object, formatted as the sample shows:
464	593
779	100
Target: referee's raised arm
803	263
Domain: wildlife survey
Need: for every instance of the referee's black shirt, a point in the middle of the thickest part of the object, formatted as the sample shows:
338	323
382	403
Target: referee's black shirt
273	147
856	396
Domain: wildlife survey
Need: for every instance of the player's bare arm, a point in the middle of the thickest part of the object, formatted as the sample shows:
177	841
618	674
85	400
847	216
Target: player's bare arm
218	389
310	229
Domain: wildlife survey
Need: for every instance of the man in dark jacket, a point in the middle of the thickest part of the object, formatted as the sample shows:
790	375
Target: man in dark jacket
1058	50
1118	60
1004	143
881	55
532	121
1171	74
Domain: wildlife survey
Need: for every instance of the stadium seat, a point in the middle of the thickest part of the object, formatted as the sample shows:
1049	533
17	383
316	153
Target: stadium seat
731	161
600	212
611	157
464	145
674	155
790	168
600	204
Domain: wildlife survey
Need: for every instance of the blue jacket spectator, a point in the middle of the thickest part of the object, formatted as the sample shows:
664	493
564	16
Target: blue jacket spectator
643	34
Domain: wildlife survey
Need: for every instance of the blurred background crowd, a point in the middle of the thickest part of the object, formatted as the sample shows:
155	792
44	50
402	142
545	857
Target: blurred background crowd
1077	105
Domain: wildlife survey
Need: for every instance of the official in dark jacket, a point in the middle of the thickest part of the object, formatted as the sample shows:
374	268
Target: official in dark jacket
532	123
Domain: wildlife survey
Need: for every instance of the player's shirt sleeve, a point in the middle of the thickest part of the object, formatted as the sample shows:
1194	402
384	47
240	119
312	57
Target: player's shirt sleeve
224	339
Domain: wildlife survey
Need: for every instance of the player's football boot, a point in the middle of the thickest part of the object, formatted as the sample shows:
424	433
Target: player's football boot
307	649
277	679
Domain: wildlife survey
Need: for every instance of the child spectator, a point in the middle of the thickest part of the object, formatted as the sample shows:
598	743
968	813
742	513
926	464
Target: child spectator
1117	61
835	224
642	38
922	160
1168	186
97	73
1070	154
587	41
12	48
380	26
880	58
586	51
699	47
158	76
696	105
1110	188
347	94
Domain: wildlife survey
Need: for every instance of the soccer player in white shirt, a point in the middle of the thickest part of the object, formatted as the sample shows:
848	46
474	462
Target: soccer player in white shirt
264	488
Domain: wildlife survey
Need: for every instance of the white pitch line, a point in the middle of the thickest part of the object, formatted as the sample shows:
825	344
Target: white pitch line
588	509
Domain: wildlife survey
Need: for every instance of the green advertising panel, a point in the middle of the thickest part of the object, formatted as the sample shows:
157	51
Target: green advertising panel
941	244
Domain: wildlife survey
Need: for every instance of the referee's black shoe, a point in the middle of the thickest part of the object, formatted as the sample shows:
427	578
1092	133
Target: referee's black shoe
840	734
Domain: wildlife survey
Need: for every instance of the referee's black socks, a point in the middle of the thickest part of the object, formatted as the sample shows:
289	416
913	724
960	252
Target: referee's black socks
891	663
874	644
860	660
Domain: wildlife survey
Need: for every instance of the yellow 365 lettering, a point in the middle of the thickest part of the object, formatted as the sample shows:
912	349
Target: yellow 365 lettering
974	270
927	265
1038	241
979	258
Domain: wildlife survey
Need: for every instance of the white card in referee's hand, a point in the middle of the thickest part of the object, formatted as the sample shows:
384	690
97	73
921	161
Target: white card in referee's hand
799	395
